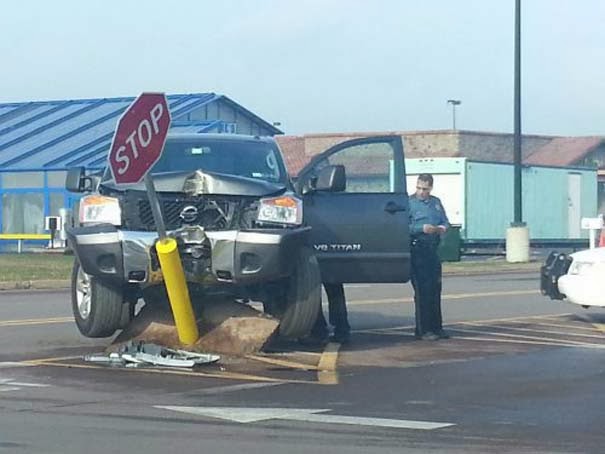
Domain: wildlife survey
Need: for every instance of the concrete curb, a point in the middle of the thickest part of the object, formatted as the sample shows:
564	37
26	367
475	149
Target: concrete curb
533	267
62	284
46	284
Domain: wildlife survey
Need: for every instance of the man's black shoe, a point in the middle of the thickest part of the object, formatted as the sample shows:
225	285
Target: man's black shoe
427	336
340	338
313	340
443	334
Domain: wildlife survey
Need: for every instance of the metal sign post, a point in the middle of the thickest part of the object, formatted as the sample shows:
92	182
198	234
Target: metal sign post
137	145
156	209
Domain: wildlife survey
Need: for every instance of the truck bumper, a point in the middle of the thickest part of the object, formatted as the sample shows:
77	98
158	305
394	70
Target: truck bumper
239	257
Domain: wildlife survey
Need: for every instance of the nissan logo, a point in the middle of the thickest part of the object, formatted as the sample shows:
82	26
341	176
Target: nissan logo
189	214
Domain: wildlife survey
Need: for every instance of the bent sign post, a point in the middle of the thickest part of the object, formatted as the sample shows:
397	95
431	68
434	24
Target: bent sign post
137	145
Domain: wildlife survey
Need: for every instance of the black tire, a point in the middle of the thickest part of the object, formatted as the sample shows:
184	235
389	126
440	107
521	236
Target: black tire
300	300
97	306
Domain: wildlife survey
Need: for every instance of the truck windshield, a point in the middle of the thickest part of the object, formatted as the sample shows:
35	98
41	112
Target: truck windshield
251	159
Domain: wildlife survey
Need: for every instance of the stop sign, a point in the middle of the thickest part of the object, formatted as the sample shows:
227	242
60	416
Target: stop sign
139	138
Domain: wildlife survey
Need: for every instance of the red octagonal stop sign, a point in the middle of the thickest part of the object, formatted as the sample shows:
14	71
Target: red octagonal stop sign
139	138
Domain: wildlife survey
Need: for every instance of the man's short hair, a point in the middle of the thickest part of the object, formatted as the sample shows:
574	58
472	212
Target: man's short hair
427	178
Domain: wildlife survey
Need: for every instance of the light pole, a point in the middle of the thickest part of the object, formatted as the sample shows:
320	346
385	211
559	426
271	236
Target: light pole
518	213
454	103
517	235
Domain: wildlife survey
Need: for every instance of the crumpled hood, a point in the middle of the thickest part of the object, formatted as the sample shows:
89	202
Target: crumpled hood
200	182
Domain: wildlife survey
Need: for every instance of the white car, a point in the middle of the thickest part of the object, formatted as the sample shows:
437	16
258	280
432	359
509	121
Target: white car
579	278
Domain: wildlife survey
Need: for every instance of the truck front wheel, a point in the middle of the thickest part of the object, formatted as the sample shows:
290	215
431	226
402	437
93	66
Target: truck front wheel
97	306
296	301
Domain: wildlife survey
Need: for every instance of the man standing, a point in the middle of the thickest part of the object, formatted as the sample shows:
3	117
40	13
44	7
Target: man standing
337	310
428	222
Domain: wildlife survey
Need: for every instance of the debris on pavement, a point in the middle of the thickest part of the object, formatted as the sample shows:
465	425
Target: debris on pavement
138	354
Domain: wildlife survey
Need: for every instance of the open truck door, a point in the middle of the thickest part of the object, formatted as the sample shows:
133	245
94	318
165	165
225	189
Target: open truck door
356	202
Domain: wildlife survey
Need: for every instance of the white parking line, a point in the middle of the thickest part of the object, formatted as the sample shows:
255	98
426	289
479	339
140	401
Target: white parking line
445	297
575	327
4	389
528	342
531	339
233	388
539	331
29	385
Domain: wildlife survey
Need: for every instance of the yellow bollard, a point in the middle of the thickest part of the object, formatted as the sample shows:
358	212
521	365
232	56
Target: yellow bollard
178	293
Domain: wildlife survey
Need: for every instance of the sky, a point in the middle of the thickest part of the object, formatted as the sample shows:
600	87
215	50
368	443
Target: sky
321	65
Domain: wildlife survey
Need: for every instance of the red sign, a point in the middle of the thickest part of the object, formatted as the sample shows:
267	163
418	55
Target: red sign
139	138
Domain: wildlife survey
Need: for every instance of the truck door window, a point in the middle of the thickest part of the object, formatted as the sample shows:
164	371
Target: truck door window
368	167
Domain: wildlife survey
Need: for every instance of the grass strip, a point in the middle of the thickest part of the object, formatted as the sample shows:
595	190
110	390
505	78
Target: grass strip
35	266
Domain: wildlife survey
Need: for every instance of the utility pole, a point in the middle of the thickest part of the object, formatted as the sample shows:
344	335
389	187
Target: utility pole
454	103
517	235
518	219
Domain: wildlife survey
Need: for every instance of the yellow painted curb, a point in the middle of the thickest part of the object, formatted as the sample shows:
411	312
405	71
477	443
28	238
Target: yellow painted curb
327	373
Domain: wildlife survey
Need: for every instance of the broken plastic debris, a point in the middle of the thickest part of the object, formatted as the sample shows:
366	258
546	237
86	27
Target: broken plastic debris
144	354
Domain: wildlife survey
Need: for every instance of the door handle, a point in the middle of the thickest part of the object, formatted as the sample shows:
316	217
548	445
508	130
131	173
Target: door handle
392	207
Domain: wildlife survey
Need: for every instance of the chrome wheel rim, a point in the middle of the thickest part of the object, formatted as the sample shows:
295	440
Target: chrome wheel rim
83	297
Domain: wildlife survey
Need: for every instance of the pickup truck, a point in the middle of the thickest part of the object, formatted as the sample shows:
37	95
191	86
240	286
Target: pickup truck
244	228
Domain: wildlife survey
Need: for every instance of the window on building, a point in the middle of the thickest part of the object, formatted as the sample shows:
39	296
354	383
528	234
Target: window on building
17	180
23	212
57	201
601	197
56	179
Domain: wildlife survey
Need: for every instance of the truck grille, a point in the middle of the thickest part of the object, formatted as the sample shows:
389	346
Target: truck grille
171	209
211	212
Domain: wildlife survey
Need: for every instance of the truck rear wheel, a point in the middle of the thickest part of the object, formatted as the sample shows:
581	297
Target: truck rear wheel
297	301
97	306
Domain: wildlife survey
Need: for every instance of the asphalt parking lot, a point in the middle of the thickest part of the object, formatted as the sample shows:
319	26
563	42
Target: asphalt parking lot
520	374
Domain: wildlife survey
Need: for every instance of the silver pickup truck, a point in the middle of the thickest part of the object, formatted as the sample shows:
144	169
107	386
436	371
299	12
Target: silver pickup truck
244	229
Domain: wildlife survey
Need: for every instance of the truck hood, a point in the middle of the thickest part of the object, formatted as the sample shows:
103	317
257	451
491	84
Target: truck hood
202	182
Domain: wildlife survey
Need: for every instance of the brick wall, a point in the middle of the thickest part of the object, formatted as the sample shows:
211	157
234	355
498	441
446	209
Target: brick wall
418	144
497	147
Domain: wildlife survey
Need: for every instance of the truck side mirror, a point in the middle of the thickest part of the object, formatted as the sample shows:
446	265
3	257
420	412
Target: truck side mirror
76	180
331	178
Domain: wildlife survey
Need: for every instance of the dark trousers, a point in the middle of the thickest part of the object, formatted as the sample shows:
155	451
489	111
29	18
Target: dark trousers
426	280
337	310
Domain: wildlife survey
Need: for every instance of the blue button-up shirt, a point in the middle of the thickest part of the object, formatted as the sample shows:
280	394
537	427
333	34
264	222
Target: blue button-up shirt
429	211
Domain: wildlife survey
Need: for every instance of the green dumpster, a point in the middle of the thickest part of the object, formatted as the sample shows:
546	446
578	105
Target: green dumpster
449	248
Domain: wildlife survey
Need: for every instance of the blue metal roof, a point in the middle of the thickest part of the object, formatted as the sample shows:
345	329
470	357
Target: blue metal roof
63	134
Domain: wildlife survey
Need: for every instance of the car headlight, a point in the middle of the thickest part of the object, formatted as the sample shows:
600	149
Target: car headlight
580	267
98	208
281	210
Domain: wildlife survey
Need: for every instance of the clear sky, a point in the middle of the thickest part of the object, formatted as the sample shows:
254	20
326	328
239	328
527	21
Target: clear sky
321	65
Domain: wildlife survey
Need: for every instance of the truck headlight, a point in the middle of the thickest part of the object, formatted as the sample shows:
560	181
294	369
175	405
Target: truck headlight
98	208
281	210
